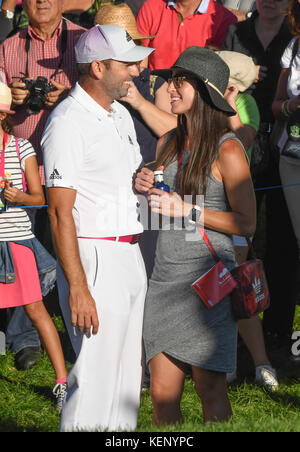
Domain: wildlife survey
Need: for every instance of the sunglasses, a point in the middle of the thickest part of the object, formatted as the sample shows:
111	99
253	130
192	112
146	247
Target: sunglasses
178	80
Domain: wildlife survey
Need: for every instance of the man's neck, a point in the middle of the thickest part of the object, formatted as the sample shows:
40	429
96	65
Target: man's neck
97	94
45	31
187	7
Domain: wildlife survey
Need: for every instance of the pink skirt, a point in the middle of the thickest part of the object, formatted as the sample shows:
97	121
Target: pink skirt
26	289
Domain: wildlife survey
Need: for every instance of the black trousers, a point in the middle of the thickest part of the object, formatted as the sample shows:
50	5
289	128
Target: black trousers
281	252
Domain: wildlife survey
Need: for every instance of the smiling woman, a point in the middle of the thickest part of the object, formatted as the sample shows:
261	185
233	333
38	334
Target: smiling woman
199	157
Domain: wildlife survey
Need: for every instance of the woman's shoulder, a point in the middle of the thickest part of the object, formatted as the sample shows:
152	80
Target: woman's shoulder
230	148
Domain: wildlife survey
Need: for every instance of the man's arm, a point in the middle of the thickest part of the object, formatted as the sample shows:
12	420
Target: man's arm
82	305
9	5
77	6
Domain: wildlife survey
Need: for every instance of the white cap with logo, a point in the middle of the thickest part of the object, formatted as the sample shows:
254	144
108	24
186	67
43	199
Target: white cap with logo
109	42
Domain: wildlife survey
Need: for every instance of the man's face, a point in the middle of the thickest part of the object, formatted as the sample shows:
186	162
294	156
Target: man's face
116	78
43	11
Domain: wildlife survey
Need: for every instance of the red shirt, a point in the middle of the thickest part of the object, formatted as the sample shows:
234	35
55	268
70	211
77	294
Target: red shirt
172	37
43	58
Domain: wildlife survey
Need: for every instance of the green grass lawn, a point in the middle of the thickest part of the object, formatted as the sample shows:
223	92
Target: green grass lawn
26	403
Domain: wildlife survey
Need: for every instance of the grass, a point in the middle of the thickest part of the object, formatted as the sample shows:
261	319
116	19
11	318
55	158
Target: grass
27	405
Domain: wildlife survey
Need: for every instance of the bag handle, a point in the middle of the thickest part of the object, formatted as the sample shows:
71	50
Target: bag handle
209	244
211	248
2	157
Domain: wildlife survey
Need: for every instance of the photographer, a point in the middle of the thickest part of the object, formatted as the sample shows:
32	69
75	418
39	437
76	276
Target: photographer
43	49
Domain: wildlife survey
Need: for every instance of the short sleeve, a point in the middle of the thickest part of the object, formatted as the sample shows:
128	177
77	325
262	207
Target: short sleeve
248	110
63	148
287	55
26	150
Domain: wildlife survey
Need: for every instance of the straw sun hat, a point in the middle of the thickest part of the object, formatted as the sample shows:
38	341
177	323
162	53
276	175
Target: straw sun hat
5	99
119	15
242	69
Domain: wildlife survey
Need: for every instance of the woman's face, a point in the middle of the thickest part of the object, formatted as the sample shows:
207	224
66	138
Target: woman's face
270	9
182	92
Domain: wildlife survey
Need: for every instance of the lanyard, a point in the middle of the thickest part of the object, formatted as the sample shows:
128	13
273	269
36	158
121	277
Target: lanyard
64	40
2	163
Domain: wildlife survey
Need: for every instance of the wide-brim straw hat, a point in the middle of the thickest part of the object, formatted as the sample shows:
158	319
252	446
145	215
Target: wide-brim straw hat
5	99
243	71
119	15
209	69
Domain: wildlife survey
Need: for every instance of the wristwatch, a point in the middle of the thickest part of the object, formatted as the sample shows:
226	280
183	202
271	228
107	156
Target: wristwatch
8	14
194	214
249	14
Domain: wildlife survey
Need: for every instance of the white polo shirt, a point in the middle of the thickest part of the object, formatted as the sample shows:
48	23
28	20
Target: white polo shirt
96	153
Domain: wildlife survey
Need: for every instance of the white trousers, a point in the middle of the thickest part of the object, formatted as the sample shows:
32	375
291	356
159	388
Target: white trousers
290	174
104	386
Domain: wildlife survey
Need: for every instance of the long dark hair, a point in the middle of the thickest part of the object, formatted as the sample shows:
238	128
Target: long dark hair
293	14
7	125
207	127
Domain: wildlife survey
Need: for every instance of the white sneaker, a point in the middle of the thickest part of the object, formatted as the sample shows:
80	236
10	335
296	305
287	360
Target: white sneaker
266	376
231	377
60	391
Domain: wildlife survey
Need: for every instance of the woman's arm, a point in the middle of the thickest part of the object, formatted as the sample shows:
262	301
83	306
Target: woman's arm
232	169
244	132
35	197
157	116
282	105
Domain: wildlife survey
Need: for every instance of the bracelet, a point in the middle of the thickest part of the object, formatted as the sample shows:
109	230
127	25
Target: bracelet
284	110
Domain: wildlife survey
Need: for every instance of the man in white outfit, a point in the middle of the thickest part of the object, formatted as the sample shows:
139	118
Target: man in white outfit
90	154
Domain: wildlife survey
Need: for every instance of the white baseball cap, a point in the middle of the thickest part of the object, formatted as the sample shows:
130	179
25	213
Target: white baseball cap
109	42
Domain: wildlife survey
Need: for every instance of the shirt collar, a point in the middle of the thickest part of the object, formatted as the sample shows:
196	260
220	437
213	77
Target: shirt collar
202	8
81	96
33	34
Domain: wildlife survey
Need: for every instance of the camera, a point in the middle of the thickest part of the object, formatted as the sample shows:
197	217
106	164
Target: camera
38	91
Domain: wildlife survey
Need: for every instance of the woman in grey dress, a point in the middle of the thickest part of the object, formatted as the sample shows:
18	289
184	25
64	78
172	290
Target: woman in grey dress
199	157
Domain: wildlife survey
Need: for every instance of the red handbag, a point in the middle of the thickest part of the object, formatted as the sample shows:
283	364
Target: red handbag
251	294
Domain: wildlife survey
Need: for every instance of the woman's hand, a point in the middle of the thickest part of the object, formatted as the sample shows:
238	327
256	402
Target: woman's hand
133	97
13	194
168	204
144	180
231	94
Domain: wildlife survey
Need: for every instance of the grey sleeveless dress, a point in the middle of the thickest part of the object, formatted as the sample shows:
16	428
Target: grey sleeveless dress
176	321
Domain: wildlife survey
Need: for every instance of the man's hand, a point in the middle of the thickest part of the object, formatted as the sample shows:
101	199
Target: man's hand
57	94
19	93
83	310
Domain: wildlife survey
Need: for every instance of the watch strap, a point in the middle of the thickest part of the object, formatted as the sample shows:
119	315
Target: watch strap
194	214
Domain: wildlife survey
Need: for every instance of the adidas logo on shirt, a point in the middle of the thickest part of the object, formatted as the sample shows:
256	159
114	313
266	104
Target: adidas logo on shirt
55	175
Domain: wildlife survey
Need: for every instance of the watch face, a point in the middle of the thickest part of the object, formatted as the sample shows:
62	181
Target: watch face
8	14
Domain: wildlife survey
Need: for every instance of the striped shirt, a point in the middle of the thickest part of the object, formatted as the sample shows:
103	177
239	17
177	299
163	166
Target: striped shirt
15	223
43	59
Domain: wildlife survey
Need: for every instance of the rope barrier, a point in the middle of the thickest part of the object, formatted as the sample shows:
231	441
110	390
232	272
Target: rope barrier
272	187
